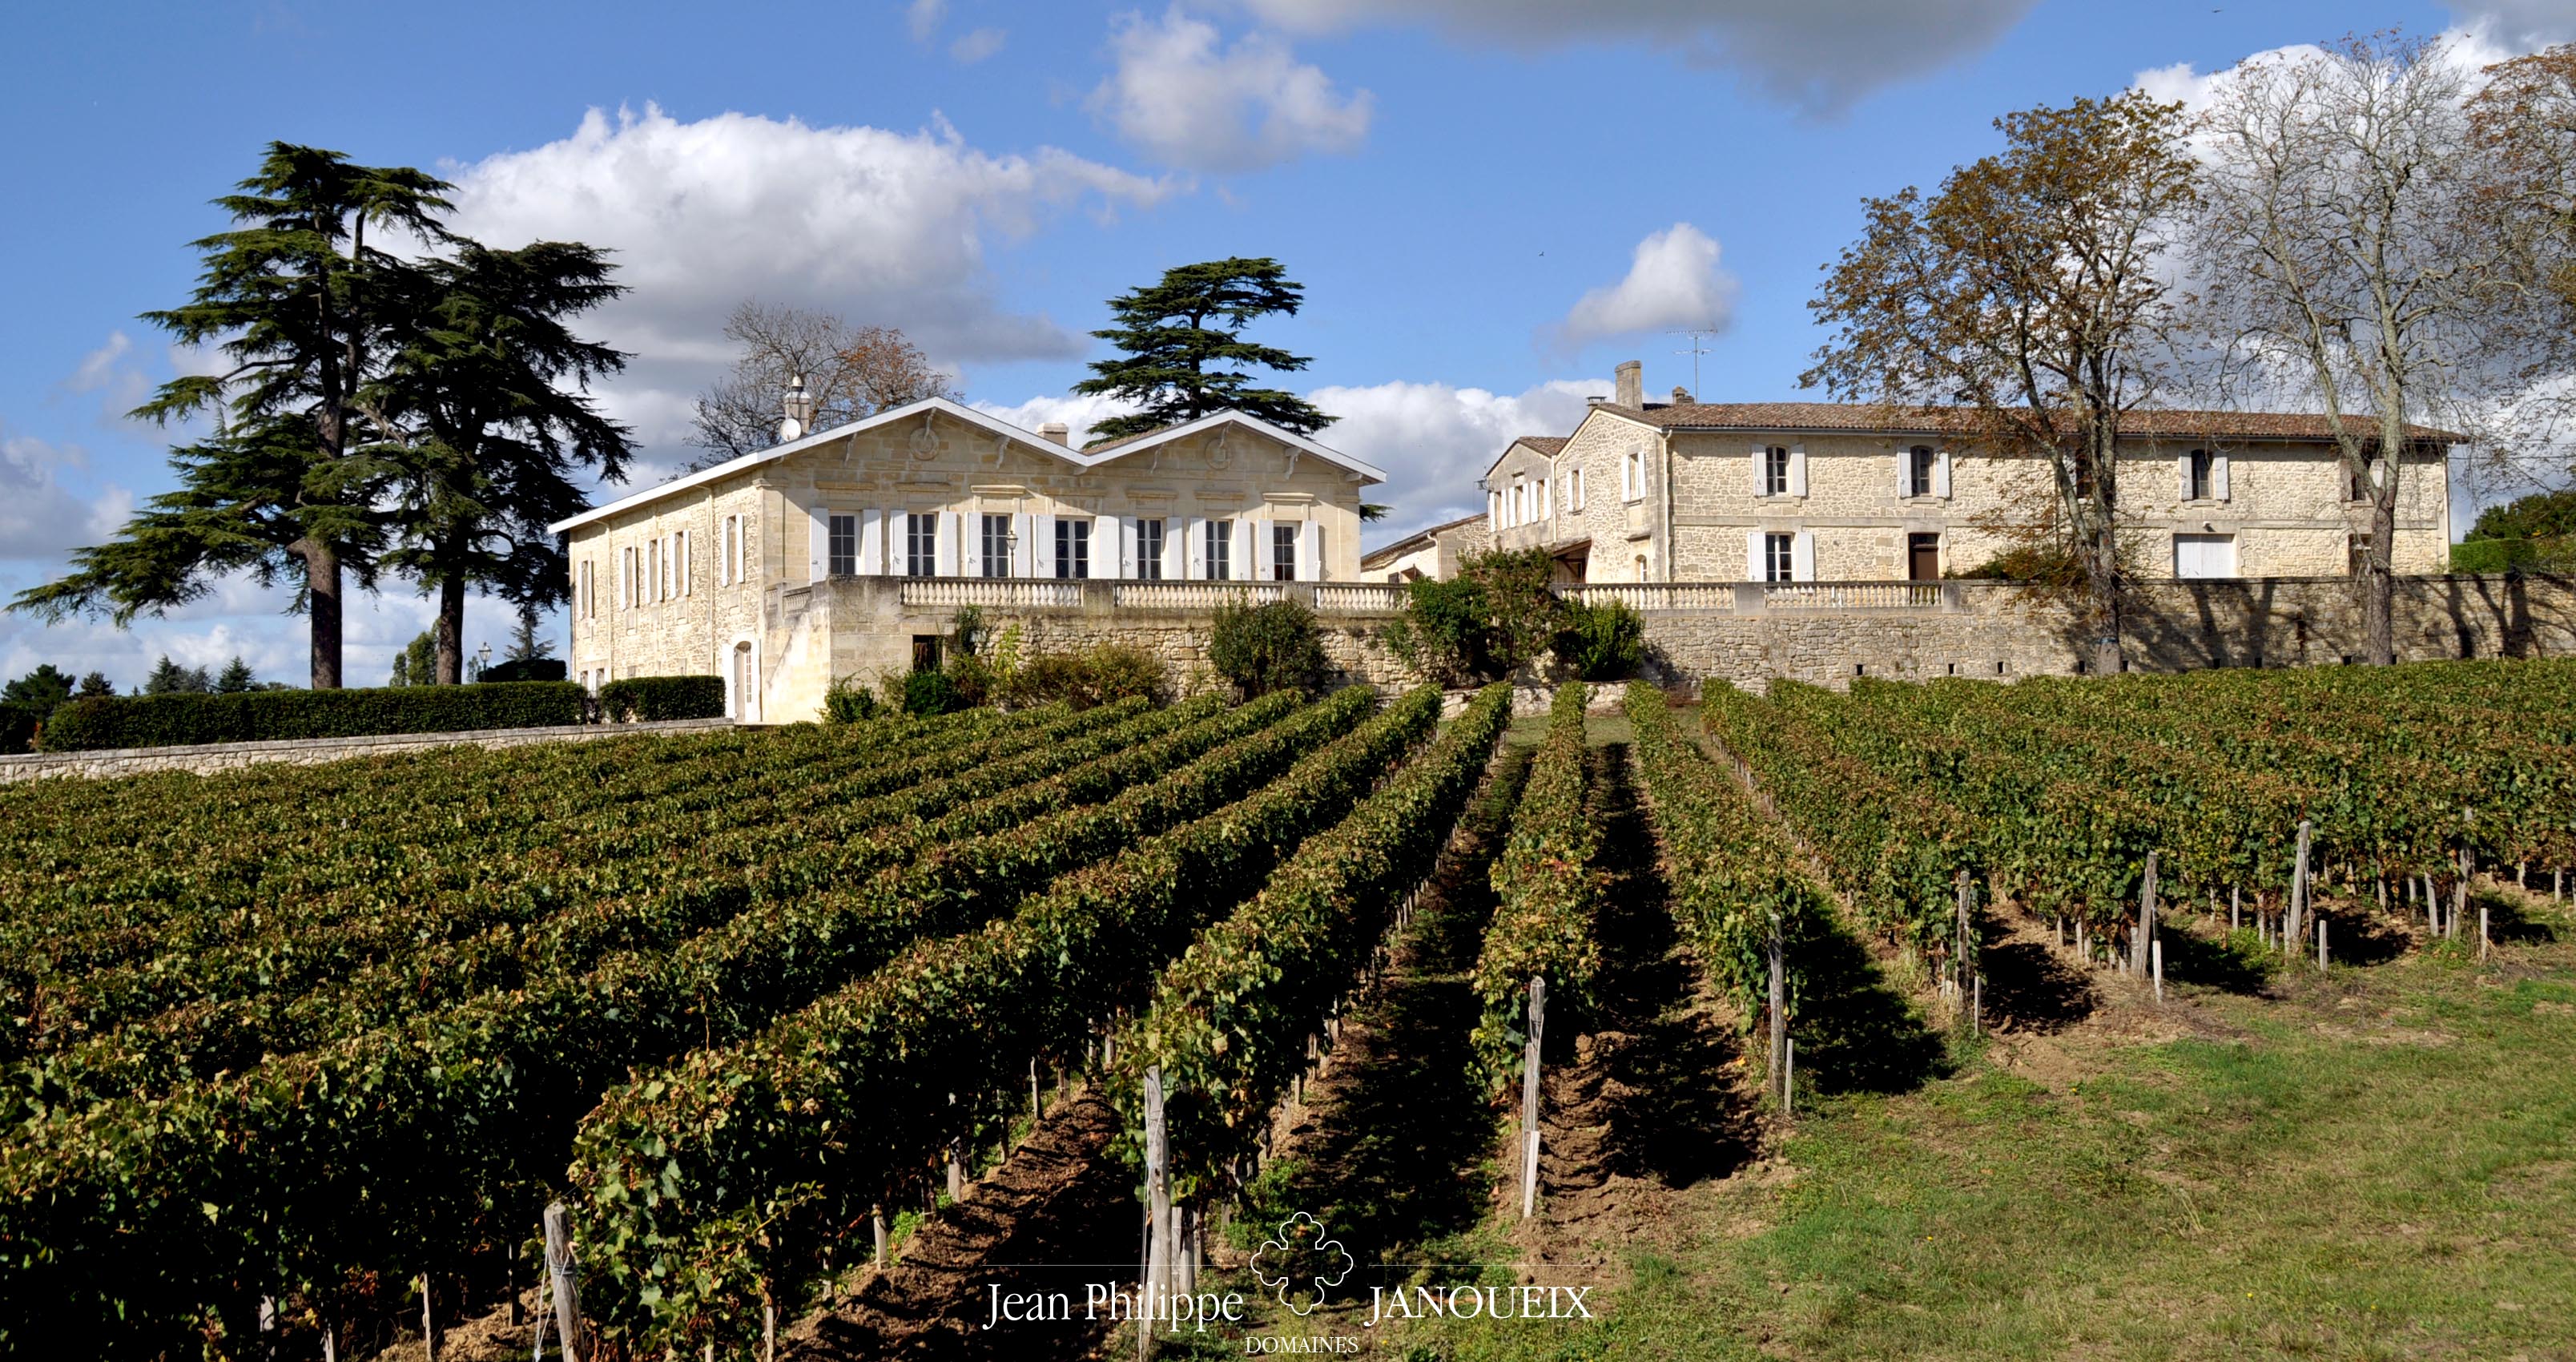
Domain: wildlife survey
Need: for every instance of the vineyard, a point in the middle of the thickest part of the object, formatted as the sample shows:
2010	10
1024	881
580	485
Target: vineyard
294	1056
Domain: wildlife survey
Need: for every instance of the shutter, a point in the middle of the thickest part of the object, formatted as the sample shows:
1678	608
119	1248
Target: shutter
625	576
1797	470
819	544
2182	470
1110	554
1761	454
688	563
1193	550
1043	565
2218	475
1176	549
1904	472
948	536
1248	566
1310	551
1941	474
1753	566
871	543
1802	557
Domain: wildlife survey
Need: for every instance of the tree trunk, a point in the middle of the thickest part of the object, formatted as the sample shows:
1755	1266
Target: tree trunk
322	606
2379	589
451	628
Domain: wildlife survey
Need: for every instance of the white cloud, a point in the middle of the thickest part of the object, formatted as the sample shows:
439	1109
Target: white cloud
2523	25
887	228
1822	55
976	46
1434	440
923	16
109	372
1674	283
1187	102
39	517
1079	412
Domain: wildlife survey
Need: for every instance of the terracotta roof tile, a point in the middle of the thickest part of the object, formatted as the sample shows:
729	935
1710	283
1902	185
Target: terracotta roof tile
1416	539
1550	445
1839	416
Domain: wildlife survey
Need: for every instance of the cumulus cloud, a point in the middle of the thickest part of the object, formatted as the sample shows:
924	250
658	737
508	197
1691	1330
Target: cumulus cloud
1821	55
39	517
1674	283
976	46
1079	412
887	228
110	372
923	16
1186	100
1434	440
2524	25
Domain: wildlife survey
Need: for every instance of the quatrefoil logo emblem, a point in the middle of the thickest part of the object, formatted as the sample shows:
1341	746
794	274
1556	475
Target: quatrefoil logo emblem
1301	1264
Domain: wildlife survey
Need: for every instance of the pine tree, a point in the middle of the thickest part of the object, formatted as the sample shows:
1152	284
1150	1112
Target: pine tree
235	678
41	690
1185	355
526	644
169	678
93	685
293	296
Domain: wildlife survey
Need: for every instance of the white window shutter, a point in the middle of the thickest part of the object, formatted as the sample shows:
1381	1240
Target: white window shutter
1310	551
819	544
2218	475
1761	462
625	576
1176	549
688	562
1753	564
1110	555
1941	474
1194	546
871	543
2182	471
1042	546
1246	568
1904	472
1802	557
946	547
1797	470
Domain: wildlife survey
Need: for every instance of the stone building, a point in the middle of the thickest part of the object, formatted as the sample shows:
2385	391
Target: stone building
847	552
1432	553
1686	491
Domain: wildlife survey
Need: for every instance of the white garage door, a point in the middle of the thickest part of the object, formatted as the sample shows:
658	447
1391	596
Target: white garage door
2204	555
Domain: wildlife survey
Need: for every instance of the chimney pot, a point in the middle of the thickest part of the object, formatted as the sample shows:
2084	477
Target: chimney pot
1054	432
1628	381
1681	396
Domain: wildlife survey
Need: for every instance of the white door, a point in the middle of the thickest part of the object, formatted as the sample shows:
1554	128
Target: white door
2204	555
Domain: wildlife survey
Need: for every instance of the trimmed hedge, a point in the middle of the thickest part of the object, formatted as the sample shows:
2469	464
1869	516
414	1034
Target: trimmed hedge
18	723
524	669
104	721
642	699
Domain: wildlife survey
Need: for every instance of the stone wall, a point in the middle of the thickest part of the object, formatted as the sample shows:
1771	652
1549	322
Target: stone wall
210	758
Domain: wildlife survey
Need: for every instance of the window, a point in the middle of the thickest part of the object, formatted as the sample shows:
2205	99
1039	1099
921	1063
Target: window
1220	550
1578	488
1775	475
688	564
921	544
589	603
2200	485
845	546
2356	489
1632	475
996	545
1919	463
626	578
1493	509
1641	567
1779	557
1073	548
925	652
1283	553
1149	550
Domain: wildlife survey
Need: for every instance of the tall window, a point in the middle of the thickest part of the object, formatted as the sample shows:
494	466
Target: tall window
2358	485
921	544
589	605
1920	461
845	546
1283	553
2202	468
1775	473
1779	557
997	545
1578	488
1149	550
626	577
1220	550
1073	548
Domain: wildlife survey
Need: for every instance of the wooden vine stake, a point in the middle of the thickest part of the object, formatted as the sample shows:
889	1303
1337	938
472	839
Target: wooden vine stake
1158	1212
2146	921
2299	881
1779	1004
565	1276
2156	951
1529	1096
428	1320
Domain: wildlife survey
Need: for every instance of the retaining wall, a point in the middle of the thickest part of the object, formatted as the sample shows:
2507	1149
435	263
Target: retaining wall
210	758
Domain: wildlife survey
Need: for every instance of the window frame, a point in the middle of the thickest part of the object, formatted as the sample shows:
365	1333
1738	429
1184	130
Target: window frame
1220	550
1922	469
993	542
1283	550
1149	560
840	545
2204	476
1072	549
1775	470
921	544
1779	556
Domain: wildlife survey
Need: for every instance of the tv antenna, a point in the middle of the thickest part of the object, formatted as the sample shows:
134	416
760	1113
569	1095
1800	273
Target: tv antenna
1696	334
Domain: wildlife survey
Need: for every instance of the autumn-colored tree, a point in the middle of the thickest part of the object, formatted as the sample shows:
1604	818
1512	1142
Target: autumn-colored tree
849	373
2523	123
2022	307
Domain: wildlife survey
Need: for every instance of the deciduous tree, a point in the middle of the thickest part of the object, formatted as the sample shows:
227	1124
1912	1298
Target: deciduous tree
849	373
2023	301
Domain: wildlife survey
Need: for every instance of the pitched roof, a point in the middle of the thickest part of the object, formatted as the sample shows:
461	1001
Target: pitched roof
1084	459
1550	445
1415	540
1855	416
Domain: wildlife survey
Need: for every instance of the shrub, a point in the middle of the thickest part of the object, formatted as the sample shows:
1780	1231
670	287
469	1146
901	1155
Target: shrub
972	678
930	693
649	698
18	722
848	700
1485	624
1095	676
1605	642
1267	648
277	715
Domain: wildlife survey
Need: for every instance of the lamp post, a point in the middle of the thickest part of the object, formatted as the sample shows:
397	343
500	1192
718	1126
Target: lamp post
482	659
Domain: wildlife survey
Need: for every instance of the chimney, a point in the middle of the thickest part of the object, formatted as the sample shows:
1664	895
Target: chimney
1053	432
1681	396
1628	382
799	411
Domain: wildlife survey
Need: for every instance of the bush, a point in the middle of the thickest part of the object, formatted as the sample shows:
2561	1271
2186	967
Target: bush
277	715
1605	642
1266	648
1094	676
931	693
523	669
18	723
848	700
2514	555
1485	624
645	699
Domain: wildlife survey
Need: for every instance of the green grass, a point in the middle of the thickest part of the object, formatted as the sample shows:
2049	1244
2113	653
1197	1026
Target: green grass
2378	1166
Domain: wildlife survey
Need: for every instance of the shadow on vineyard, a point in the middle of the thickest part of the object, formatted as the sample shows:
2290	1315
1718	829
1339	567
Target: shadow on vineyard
2029	987
1854	1032
1390	1153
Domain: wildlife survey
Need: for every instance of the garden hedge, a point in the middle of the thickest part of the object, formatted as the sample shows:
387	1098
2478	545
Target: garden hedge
647	698
276	715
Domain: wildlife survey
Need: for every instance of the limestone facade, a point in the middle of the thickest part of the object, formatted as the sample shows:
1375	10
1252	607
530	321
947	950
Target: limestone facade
729	571
1683	491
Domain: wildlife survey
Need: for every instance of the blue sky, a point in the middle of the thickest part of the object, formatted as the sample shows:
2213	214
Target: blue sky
1464	187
